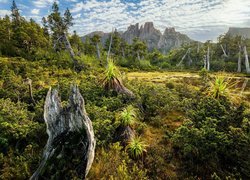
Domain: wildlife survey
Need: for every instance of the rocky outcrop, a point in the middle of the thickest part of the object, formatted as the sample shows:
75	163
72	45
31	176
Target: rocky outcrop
70	148
149	34
244	32
172	39
132	32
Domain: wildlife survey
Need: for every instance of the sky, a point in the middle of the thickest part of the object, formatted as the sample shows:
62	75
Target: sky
200	19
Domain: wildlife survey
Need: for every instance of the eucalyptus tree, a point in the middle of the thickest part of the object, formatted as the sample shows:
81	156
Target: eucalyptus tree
139	47
15	14
96	39
76	43
59	26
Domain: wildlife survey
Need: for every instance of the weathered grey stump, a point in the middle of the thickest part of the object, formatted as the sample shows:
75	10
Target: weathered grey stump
70	148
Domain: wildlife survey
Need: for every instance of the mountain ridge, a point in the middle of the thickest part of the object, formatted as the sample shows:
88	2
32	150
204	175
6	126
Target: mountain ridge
153	37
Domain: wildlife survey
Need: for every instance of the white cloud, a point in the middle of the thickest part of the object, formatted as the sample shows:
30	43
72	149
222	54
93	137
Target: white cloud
201	19
44	3
4	12
35	11
72	0
3	1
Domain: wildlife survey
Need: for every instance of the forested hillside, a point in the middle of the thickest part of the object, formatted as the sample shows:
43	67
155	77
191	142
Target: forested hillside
181	115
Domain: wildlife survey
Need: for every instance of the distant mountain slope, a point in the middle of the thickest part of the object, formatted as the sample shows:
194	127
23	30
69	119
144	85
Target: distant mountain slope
153	37
244	32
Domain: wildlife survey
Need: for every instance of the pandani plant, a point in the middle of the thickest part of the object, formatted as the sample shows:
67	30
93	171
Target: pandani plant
221	86
136	147
127	116
111	80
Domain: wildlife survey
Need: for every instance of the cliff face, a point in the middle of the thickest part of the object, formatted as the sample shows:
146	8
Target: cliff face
152	36
172	39
244	32
146	33
131	33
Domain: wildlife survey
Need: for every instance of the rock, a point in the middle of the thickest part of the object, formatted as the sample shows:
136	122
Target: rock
149	34
244	32
124	134
172	39
132	32
70	148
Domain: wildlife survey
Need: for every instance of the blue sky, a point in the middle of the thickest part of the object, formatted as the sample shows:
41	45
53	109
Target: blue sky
199	19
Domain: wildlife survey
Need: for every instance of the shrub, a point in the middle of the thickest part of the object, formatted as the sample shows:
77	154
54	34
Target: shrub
214	134
114	163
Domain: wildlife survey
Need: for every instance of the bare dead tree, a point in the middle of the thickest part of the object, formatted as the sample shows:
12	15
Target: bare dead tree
239	59
183	57
246	60
110	44
28	81
68	46
224	52
205	61
98	51
70	134
208	58
198	48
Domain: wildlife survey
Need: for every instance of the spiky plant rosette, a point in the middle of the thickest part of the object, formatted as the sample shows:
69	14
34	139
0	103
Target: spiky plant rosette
128	116
136	147
222	86
112	74
111	80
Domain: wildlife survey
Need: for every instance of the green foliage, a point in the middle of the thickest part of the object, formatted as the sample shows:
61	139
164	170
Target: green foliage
155	100
111	71
136	147
210	136
128	116
114	163
221	87
15	122
204	75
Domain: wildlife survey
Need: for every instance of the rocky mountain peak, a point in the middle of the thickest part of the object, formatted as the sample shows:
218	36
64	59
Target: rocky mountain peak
150	35
153	37
169	30
244	32
171	39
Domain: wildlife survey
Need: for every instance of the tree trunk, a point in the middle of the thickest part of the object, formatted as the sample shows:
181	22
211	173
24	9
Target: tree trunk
239	60
208	58
246	60
138	55
29	82
68	46
71	137
123	53
98	51
224	52
205	61
198	48
183	57
110	44
190	60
